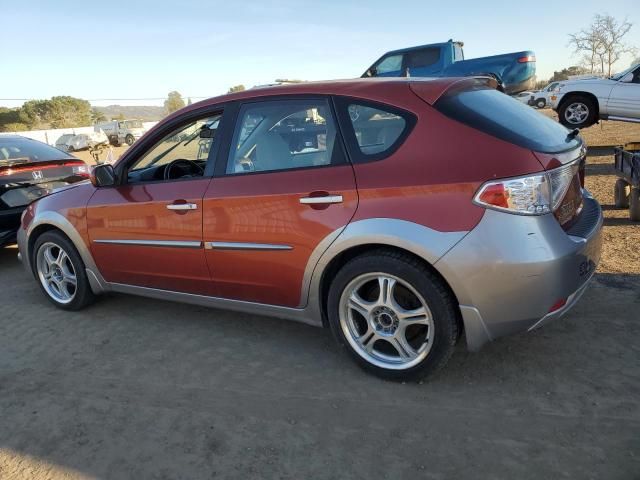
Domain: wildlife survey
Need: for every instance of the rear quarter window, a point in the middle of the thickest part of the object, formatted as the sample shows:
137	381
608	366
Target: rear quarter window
373	131
503	117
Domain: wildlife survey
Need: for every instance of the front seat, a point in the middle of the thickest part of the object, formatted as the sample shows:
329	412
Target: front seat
272	153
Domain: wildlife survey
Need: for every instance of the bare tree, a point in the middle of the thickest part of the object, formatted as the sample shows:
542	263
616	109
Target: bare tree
602	42
588	43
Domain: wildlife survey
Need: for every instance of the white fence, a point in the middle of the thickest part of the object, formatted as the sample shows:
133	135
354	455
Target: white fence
52	135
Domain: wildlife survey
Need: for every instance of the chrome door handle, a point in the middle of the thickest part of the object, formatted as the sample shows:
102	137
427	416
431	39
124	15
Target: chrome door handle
321	200
182	206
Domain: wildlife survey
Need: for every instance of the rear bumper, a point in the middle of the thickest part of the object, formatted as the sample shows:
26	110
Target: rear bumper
511	270
9	224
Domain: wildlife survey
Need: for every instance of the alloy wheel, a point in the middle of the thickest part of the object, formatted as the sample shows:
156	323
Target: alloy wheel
56	273
576	113
386	321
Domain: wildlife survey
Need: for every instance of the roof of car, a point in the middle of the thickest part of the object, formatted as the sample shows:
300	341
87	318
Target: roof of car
366	88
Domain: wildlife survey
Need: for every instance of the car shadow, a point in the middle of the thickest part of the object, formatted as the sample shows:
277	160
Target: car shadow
141	388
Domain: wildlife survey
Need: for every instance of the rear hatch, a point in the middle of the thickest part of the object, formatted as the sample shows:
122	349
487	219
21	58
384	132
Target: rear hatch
560	152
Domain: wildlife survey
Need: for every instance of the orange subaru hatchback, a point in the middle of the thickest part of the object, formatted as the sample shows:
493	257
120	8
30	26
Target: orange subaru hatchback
400	213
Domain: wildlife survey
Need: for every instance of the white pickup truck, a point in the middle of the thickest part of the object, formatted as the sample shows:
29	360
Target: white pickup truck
121	131
581	103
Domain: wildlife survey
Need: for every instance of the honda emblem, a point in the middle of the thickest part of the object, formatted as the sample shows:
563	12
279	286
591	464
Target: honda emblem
37	174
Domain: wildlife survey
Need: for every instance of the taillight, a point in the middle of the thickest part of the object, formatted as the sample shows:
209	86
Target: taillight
527	59
528	195
82	170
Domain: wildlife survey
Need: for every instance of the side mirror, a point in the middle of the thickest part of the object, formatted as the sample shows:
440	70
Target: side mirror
628	78
103	176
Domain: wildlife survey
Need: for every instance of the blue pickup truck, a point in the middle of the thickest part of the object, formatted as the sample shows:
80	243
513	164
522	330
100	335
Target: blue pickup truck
515	72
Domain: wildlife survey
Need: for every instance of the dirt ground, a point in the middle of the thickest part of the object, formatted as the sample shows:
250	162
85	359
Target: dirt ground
141	389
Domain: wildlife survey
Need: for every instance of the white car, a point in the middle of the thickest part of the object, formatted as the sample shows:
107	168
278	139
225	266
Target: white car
541	98
524	97
581	103
71	143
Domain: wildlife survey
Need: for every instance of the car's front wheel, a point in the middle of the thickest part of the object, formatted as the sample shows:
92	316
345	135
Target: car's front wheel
540	103
129	139
60	271
395	317
577	112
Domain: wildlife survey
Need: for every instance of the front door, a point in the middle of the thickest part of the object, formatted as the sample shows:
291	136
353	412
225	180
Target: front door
147	231
282	188
625	97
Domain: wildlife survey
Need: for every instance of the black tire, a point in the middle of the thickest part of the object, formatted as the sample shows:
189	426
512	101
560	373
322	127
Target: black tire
129	140
83	295
70	148
113	140
634	205
579	101
541	103
621	194
440	302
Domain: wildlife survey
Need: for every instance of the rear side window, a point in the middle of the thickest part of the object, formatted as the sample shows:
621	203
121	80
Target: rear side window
423	58
503	117
373	131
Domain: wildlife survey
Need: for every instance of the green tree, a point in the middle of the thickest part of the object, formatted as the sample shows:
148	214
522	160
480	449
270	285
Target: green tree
97	116
173	102
237	88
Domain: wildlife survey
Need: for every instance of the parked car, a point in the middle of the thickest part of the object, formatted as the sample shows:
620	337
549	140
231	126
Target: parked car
122	131
81	141
450	208
582	103
524	97
515	72
30	170
541	98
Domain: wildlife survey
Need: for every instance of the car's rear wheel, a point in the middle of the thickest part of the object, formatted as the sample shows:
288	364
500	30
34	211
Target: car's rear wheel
70	148
577	111
395	317
621	194
61	272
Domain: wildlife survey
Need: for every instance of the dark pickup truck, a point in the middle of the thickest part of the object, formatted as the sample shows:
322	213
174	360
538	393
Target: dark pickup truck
515	72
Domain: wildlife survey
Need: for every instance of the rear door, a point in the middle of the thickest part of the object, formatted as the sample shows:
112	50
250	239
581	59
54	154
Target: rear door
281	188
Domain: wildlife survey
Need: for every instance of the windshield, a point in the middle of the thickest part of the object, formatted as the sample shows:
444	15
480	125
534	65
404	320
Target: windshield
21	150
618	76
133	124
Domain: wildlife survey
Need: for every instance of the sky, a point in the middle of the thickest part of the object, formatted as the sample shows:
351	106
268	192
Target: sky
141	50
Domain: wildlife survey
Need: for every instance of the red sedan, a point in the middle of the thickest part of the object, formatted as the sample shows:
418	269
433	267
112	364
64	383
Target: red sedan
401	213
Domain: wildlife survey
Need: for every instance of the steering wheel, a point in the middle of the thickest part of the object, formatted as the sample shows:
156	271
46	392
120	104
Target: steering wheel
188	167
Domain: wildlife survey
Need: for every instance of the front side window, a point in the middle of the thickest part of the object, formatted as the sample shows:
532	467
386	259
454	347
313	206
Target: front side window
182	153
376	130
282	135
390	64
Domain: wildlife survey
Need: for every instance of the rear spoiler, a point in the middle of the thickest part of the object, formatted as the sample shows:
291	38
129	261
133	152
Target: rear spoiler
427	92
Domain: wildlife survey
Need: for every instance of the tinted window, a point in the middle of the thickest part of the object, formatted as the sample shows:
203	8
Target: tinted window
423	58
389	64
376	129
26	149
281	135
503	117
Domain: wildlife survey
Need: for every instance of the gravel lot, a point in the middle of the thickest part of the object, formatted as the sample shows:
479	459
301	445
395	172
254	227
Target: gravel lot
134	389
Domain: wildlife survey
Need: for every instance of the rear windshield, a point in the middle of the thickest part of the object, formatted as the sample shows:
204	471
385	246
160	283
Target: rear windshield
25	149
501	116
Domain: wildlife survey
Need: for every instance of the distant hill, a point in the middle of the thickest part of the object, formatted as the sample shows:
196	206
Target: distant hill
141	112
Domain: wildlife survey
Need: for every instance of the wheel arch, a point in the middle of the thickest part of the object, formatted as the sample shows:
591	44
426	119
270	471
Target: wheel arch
580	93
417	241
47	221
